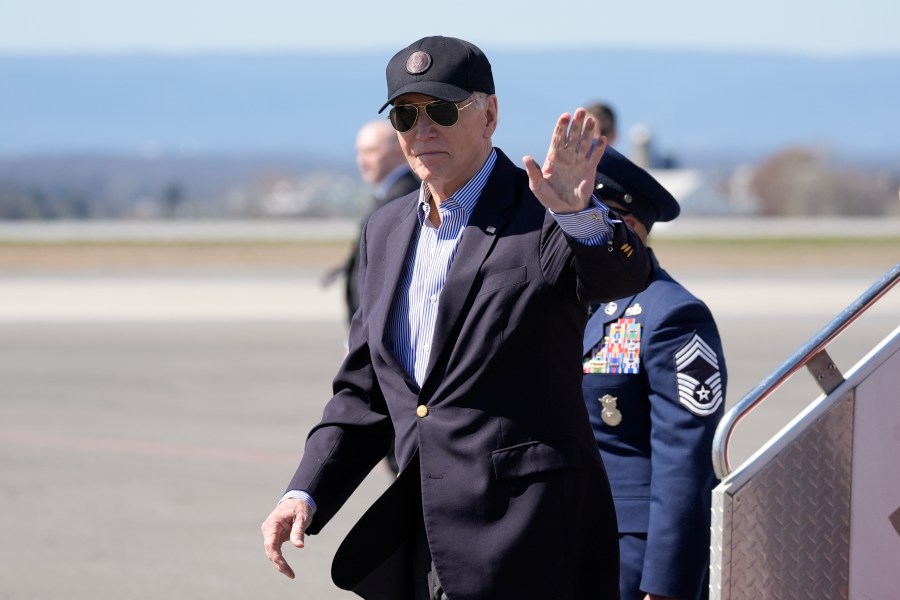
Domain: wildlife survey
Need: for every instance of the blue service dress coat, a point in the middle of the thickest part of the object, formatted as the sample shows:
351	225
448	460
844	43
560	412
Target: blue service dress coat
654	386
496	449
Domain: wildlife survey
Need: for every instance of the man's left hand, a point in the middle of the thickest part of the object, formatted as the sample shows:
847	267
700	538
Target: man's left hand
565	182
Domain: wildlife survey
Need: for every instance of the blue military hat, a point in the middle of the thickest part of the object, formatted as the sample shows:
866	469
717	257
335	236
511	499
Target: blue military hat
621	181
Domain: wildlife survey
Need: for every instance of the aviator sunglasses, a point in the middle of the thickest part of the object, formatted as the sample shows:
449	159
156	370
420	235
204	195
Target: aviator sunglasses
404	116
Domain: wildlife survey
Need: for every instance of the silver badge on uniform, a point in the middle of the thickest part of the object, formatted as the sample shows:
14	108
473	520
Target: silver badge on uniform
699	380
611	308
610	414
634	310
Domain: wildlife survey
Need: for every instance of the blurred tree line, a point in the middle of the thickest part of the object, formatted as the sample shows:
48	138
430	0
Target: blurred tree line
799	182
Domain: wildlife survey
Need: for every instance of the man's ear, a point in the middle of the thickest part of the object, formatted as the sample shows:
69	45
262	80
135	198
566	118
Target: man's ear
631	221
492	116
638	227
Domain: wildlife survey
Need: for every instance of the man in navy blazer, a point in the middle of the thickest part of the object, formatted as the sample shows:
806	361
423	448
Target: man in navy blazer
466	349
654	386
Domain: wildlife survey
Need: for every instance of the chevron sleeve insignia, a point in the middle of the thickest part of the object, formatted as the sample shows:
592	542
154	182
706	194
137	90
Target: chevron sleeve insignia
699	380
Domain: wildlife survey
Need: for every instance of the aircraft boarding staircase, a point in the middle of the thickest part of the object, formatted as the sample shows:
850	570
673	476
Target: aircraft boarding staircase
815	513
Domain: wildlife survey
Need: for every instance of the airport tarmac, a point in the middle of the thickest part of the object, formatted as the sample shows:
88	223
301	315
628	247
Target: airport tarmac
149	421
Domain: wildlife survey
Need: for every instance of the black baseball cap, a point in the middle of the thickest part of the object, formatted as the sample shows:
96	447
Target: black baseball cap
445	68
634	189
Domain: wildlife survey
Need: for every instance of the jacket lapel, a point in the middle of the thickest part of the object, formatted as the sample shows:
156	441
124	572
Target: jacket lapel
397	248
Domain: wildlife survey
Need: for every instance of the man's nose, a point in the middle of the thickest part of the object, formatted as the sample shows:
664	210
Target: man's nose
424	125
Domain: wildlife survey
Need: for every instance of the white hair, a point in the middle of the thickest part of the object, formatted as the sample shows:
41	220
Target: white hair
480	99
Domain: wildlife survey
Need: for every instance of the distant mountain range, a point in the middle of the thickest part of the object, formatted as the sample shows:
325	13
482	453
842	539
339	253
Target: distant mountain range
702	108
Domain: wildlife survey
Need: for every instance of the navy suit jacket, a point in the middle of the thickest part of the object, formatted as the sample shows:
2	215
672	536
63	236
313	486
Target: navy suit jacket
657	449
503	467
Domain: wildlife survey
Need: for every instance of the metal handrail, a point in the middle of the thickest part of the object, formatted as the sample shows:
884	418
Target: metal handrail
797	361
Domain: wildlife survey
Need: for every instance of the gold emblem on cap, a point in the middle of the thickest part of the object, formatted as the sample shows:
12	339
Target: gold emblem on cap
634	310
418	62
610	414
611	308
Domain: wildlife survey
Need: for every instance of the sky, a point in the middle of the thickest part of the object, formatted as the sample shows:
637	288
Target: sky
806	27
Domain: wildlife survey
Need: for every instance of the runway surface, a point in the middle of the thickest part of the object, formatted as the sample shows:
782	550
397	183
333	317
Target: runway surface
149	421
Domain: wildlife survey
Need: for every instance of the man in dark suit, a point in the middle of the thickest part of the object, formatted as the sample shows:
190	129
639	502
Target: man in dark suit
382	165
466	349
654	386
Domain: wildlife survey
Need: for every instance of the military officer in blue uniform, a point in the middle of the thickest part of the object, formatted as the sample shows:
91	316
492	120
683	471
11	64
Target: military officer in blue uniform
654	383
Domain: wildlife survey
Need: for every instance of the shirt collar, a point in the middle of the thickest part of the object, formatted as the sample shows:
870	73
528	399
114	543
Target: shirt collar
464	198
